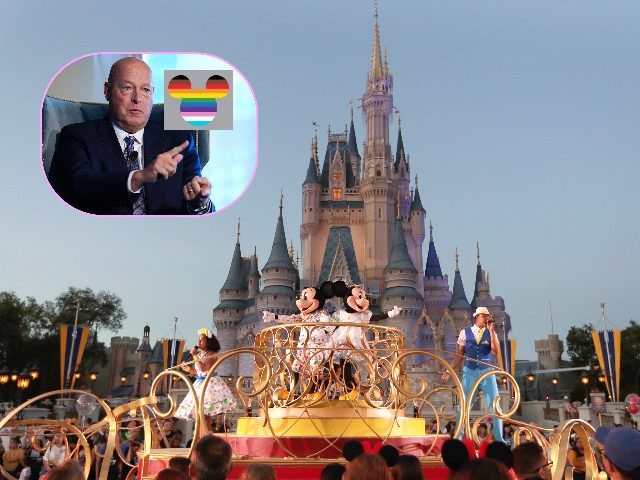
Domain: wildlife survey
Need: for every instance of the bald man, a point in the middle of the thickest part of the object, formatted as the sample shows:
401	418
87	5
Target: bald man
125	164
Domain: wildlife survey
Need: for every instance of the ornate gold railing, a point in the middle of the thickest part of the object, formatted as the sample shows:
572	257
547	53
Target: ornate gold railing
387	378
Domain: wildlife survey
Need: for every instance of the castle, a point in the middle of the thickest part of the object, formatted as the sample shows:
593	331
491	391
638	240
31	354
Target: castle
364	223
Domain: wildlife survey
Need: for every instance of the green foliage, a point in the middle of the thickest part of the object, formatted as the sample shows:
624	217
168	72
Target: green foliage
30	330
580	346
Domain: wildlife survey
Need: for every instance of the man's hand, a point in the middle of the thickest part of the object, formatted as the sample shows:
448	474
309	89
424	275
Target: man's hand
164	165
199	188
491	324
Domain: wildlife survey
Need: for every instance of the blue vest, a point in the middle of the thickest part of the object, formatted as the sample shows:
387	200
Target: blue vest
478	351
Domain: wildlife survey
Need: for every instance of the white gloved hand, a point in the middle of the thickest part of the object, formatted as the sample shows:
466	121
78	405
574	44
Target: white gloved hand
394	312
268	317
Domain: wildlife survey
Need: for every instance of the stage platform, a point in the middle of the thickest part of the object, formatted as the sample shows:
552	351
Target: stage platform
286	468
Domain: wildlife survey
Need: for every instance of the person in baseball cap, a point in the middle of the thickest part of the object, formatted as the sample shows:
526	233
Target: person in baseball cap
621	452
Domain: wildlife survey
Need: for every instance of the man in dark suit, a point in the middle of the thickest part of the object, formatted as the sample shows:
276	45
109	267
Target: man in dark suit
124	164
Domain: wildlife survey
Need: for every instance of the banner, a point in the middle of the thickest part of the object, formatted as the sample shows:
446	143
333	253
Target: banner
507	352
172	352
607	345
71	351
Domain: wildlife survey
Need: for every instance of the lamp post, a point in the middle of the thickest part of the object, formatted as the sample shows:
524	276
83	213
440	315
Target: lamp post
531	377
554	383
585	381
93	376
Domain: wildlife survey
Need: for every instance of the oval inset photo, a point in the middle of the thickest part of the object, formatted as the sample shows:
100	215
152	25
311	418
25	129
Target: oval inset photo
149	134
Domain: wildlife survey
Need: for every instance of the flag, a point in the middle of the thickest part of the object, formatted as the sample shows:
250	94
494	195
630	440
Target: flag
608	347
71	351
172	352
507	352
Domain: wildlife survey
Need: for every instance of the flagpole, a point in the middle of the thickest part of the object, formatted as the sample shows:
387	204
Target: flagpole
606	342
175	350
73	343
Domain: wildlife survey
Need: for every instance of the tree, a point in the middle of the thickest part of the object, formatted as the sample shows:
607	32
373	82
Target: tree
580	346
29	332
630	359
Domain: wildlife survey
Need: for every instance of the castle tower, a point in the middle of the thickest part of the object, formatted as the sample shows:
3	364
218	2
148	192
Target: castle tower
311	189
121	348
254	277
417	215
279	276
141	386
400	285
549	351
228	313
458	309
356	160
437	296
402	176
377	188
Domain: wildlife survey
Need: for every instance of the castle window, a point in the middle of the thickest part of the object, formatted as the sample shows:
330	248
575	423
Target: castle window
277	270
378	173
237	310
402	172
310	209
379	213
336	193
275	297
336	176
401	271
402	297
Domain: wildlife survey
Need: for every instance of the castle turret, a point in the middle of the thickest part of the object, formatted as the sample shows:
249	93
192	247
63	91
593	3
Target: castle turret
228	313
417	215
377	188
254	276
278	275
141	386
437	296
402	176
356	160
400	285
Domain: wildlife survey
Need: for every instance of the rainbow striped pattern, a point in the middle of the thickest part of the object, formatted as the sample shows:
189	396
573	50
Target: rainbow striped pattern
198	106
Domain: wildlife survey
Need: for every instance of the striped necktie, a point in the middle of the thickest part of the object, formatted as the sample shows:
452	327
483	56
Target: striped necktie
131	156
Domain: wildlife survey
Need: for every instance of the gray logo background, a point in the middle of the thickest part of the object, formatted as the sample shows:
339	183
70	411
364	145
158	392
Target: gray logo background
173	118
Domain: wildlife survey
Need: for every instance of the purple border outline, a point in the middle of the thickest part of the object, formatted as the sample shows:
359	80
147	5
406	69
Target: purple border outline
255	101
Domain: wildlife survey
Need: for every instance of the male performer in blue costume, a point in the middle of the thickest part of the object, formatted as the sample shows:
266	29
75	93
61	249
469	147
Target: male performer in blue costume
125	164
478	343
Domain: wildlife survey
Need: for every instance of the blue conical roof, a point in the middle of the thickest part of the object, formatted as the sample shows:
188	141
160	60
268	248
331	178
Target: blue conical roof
399	253
312	173
235	278
416	204
353	144
459	298
432	269
279	257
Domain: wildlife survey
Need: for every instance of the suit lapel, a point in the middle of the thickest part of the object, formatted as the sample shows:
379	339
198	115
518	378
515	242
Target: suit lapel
110	145
152	142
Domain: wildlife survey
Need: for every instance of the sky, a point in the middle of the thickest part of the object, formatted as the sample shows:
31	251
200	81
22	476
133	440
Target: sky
521	119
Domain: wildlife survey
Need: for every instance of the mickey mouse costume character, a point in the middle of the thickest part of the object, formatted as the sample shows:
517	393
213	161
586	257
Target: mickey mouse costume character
314	343
356	310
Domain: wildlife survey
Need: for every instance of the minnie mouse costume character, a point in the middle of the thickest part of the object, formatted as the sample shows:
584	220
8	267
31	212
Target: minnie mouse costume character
314	343
356	310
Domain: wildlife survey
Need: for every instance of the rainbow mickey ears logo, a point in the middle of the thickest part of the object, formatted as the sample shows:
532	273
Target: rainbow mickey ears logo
208	108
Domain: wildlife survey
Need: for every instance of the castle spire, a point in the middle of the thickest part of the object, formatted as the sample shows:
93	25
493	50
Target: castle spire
416	204
459	298
432	269
376	71
479	279
238	238
400	155
235	278
279	257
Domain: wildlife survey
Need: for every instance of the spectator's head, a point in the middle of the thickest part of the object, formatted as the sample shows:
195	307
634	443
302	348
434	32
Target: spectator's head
129	91
484	469
333	471
408	468
454	454
58	439
621	453
258	471
530	461
482	430
180	463
390	455
171	474
176	440
211	459
69	470
367	467
14	443
500	452
352	449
